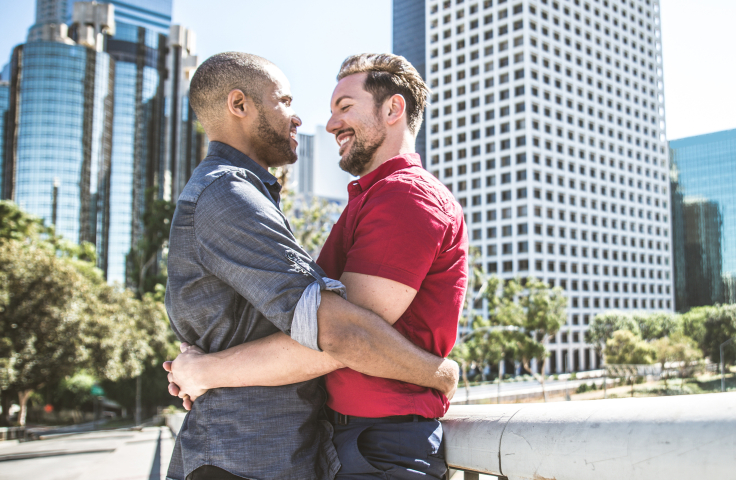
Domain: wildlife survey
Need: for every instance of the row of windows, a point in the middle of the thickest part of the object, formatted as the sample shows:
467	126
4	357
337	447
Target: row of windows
573	217
517	9
562	250
562	232
539	266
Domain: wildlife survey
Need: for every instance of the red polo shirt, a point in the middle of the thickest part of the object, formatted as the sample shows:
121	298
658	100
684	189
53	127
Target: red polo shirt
401	223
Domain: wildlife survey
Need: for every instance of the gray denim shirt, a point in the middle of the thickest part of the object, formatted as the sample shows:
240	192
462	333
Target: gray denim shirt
237	274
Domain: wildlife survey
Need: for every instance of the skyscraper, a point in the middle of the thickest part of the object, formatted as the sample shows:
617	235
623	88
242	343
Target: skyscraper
4	104
704	221
100	109
409	41
547	123
58	128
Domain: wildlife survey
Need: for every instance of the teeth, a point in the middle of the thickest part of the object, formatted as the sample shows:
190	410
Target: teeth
344	140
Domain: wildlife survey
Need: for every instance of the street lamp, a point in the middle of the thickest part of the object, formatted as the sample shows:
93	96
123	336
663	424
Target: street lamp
723	370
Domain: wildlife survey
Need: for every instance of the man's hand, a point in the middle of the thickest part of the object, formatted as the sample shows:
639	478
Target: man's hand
184	381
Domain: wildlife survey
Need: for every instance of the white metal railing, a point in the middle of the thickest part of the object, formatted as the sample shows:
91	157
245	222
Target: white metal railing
679	437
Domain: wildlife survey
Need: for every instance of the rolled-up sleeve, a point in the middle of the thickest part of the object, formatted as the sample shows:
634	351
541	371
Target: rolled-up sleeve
245	241
304	327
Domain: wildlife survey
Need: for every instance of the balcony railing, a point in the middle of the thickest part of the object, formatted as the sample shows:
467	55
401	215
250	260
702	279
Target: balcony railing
668	438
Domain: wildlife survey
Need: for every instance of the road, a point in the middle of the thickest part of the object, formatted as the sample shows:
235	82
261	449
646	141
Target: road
486	391
101	455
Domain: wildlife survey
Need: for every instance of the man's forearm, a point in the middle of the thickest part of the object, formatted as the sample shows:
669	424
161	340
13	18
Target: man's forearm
363	341
271	361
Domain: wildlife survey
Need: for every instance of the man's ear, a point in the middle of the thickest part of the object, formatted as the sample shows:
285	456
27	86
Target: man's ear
396	108
237	103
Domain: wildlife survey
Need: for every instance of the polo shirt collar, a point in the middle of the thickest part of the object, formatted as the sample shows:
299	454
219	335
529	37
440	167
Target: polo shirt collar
239	159
399	162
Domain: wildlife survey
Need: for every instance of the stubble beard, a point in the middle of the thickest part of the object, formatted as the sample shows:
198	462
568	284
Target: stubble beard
362	152
280	152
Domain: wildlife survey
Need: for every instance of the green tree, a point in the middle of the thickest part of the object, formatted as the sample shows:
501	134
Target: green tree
693	322
146	261
677	348
526	316
310	218
545	313
720	326
654	325
625	347
44	301
58	315
605	324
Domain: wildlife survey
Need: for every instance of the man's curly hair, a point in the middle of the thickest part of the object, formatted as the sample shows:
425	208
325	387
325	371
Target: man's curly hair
388	75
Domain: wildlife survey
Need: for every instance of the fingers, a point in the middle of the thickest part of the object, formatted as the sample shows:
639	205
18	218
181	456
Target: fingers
188	403
173	390
167	365
184	346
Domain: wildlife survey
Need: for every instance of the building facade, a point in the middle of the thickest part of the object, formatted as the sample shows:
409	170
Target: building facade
547	123
409	27
58	132
4	104
119	132
315	172
704	221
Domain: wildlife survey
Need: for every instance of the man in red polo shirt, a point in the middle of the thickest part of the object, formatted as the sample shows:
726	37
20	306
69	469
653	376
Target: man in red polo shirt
400	248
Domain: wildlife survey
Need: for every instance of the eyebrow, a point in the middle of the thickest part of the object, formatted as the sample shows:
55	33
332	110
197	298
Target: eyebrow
337	102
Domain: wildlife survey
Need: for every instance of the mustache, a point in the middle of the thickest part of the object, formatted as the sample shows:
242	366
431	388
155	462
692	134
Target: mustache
345	130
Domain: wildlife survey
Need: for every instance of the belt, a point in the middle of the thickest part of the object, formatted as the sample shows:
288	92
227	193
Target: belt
338	418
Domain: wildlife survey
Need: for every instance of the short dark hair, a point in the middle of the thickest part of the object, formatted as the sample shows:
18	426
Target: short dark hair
388	75
220	74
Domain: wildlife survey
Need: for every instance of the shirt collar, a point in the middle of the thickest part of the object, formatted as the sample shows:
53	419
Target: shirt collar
399	162
239	159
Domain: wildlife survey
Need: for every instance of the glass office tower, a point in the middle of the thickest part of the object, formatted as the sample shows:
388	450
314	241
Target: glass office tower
59	127
704	219
4	103
409	42
139	50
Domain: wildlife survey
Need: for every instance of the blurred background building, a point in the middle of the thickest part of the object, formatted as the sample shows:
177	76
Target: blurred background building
409	41
98	124
704	219
316	173
546	122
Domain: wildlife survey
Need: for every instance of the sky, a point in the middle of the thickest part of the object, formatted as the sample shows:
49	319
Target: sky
309	40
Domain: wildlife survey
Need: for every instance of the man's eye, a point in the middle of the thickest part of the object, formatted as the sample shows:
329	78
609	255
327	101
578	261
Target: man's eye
345	107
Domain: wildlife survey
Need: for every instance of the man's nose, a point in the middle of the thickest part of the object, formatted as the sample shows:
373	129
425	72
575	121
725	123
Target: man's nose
332	125
296	120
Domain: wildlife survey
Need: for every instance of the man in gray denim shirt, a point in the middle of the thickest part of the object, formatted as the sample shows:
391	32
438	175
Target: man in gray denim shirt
236	274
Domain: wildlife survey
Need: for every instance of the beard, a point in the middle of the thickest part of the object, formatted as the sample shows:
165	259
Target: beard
277	149
361	154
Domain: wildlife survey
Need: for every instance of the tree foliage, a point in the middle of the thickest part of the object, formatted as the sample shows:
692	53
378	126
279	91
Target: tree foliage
519	318
310	218
626	347
58	315
146	261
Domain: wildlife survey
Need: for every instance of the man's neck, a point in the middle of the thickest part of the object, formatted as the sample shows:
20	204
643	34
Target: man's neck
390	149
240	144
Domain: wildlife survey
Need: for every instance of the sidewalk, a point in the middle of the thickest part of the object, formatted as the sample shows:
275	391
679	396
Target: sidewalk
103	455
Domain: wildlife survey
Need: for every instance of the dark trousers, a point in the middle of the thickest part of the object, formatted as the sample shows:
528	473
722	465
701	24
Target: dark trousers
383	448
208	472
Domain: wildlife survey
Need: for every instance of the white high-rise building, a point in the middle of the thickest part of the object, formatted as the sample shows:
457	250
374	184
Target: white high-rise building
317	172
547	123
